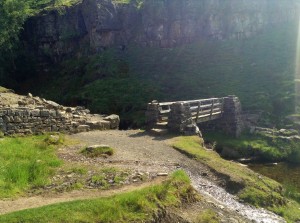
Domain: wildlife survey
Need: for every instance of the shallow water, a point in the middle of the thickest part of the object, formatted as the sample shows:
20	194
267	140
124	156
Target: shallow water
285	173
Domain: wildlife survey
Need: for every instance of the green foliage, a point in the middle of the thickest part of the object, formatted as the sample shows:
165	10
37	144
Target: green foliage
105	87
24	163
292	192
13	14
79	170
137	3
264	147
135	206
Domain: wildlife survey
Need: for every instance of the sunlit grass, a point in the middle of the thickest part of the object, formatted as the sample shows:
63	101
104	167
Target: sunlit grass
25	163
136	206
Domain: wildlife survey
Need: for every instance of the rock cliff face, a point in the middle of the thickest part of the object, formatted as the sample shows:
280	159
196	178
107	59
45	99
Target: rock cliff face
94	25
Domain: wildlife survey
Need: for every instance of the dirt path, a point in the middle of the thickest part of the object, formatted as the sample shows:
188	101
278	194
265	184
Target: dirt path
7	206
138	151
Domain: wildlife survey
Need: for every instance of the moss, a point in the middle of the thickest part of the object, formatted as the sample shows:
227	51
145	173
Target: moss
5	90
98	151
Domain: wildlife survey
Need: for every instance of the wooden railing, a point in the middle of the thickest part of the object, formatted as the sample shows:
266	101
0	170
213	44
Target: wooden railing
202	110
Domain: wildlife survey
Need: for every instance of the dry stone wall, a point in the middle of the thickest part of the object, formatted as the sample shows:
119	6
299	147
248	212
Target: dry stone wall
48	116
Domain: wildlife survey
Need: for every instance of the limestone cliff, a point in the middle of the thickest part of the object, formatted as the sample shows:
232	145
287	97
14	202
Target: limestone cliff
94	25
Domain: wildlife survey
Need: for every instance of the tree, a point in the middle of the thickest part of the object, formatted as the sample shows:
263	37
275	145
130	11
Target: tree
13	14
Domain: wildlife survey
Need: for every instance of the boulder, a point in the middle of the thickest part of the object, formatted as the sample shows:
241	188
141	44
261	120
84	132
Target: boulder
52	104
114	121
83	128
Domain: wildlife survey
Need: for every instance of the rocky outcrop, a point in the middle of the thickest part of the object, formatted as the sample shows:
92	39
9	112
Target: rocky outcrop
94	25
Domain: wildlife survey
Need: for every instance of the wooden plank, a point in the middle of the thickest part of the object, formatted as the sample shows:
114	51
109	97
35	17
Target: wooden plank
190	101
206	106
206	118
207	115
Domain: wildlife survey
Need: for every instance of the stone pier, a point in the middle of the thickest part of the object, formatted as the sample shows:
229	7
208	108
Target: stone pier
231	121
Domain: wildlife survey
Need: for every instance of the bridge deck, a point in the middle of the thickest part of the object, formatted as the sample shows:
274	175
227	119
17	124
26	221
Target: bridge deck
201	110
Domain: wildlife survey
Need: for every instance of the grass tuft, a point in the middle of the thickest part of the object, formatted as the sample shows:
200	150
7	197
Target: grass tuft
98	151
208	216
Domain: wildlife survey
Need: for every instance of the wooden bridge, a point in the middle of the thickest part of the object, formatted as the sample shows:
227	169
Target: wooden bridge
183	116
202	110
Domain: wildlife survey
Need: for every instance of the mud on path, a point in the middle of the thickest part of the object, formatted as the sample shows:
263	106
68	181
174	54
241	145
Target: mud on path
138	151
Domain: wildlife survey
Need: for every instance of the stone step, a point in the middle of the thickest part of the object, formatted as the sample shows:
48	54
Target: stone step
161	125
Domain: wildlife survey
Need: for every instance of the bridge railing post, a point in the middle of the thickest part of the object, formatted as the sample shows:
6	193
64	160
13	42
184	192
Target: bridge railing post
198	111
212	109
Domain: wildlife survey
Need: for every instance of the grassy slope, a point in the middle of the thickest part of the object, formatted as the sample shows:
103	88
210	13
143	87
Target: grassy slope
259	70
24	163
136	206
257	190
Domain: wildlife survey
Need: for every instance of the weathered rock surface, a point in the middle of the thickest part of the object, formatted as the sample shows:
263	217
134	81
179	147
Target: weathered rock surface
28	115
94	25
284	134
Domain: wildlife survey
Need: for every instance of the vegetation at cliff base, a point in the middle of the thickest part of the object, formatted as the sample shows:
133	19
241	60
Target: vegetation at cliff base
136	206
25	163
249	186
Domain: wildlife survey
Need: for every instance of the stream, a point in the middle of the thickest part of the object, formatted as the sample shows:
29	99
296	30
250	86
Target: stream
231	202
